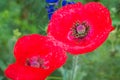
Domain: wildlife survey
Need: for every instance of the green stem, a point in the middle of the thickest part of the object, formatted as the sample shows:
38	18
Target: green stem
74	67
54	78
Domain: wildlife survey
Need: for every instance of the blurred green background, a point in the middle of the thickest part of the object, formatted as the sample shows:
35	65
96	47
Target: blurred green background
20	17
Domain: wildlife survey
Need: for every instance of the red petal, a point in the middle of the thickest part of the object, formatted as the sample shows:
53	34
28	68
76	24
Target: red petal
19	72
94	14
36	45
31	46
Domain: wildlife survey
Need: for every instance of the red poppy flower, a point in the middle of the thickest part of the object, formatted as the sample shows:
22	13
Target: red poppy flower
80	28
35	58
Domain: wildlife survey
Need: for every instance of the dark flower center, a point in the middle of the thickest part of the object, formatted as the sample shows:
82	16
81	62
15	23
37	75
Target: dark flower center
35	62
80	30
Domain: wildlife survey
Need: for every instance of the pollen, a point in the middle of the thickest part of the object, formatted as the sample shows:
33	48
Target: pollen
35	62
80	30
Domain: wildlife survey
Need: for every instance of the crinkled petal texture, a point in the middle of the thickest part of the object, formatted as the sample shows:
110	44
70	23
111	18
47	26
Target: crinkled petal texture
36	58
94	14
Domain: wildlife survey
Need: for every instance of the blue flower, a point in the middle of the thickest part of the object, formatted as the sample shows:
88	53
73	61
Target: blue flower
50	15
71	2
51	1
64	2
50	10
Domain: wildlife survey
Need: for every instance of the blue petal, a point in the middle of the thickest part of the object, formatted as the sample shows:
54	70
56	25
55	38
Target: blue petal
71	2
51	1
50	15
64	2
50	10
51	6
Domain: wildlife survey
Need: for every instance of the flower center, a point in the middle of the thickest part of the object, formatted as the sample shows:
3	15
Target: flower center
35	62
80	30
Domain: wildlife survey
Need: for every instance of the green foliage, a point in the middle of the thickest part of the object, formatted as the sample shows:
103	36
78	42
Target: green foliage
20	17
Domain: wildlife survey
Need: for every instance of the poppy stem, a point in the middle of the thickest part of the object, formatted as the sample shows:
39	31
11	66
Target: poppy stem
54	78
74	67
